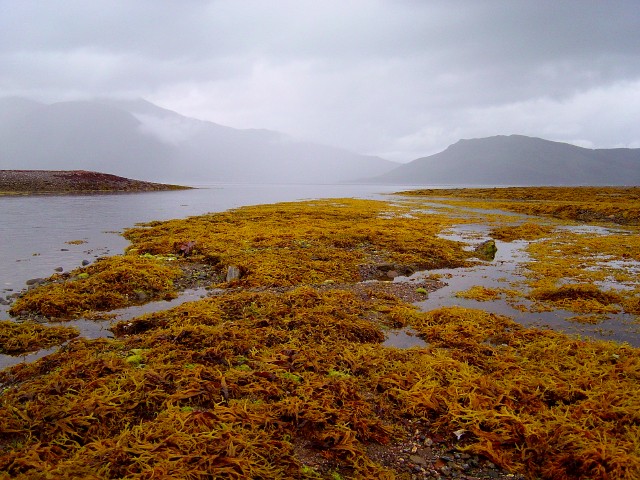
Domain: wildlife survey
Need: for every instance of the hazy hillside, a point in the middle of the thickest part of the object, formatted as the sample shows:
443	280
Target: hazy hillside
141	140
520	160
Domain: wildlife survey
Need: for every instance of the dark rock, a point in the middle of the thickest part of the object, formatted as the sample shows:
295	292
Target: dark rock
34	281
85	263
385	267
418	460
58	269
142	296
4	301
385	271
445	470
184	248
487	250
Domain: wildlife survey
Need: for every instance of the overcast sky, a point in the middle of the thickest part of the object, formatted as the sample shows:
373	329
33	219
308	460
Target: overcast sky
400	79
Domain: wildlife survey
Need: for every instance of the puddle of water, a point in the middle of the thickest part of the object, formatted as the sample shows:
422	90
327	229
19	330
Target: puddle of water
404	338
100	328
591	229
505	272
474	233
9	361
92	329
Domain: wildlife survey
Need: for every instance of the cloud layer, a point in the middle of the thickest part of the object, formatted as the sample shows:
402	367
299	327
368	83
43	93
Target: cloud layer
400	79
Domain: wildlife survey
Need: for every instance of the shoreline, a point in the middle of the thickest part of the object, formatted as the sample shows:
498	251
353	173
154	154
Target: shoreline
63	182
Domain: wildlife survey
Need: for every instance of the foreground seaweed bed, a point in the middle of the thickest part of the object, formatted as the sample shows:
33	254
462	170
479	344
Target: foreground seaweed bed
292	381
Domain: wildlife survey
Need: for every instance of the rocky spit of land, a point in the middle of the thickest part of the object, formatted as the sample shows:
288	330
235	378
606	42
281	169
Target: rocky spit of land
25	182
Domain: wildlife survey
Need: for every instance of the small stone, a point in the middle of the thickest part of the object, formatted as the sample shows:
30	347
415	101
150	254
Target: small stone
233	273
418	460
34	281
85	263
58	269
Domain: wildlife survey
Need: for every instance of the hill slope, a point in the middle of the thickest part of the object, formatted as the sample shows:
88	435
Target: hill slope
520	160
141	140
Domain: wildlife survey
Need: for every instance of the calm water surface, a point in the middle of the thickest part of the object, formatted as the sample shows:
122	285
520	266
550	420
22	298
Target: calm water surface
34	230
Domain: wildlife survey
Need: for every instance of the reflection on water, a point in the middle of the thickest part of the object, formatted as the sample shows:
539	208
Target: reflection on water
506	271
9	361
404	338
91	329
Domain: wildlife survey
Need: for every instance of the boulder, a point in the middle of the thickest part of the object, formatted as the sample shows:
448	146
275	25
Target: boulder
487	250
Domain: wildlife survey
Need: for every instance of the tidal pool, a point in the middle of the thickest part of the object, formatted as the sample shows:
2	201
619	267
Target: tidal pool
91	329
506	271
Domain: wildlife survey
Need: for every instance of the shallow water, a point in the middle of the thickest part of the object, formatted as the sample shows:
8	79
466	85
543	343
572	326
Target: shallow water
404	338
506	272
91	329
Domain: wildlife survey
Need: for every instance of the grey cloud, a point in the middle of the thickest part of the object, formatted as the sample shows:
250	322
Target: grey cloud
399	77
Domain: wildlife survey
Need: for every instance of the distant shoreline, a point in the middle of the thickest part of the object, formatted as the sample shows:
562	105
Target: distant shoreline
43	182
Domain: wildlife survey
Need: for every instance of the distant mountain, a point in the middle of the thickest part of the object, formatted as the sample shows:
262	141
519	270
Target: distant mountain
12	109
141	140
519	160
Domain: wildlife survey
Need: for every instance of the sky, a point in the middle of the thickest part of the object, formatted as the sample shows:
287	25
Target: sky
401	79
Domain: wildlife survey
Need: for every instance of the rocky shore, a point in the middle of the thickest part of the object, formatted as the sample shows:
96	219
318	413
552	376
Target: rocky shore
25	182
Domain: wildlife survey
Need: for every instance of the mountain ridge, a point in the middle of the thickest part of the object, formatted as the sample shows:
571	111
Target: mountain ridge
519	160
